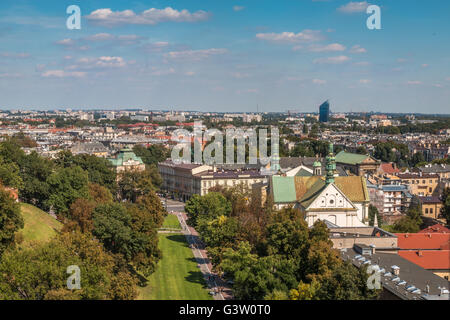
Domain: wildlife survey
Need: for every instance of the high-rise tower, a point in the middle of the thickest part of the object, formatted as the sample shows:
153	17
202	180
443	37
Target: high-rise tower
324	112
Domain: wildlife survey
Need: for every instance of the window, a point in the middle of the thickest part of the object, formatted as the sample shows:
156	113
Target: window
431	210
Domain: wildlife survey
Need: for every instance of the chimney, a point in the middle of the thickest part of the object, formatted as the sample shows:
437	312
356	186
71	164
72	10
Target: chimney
396	270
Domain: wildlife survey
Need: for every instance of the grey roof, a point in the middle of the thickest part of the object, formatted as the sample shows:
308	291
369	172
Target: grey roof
409	272
88	147
435	168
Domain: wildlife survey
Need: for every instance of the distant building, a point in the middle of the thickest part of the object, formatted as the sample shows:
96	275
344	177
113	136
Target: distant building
431	251
186	179
358	164
91	148
420	184
126	160
324	112
432	207
342	201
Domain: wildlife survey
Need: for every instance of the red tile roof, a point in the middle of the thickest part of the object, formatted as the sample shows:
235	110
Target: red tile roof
428	259
423	240
389	168
437	228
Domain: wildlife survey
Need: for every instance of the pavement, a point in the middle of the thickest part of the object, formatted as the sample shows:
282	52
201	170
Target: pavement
221	289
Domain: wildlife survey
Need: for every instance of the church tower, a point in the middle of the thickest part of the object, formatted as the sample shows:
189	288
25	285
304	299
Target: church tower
330	165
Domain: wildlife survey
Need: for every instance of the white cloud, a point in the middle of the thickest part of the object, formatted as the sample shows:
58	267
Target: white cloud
354	7
62	74
238	8
414	82
100	37
156	46
357	49
153	16
425	65
99	62
328	48
362	63
332	60
194	54
291	37
365	81
66	42
319	81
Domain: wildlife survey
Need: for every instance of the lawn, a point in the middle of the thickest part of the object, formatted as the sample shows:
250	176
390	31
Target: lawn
177	276
38	225
171	221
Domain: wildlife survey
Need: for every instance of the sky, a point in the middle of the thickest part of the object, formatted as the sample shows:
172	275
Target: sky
226	55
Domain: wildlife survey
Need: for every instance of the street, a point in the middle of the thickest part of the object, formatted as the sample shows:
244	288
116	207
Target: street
221	290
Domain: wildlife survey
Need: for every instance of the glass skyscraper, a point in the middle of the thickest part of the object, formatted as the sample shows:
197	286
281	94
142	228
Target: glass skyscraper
324	112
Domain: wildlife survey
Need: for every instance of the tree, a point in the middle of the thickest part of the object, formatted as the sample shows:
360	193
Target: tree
254	278
446	200
417	159
129	233
305	291
133	183
153	154
211	206
406	225
99	194
66	185
345	283
361	150
99	170
40	272
373	211
81	213
10	175
34	171
10	219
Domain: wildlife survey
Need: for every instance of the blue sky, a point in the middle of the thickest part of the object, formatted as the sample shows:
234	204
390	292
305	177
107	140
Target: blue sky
226	55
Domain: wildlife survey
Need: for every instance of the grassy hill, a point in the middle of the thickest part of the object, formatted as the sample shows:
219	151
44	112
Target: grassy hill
38	225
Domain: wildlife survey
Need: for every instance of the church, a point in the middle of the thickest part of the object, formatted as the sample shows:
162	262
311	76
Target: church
339	201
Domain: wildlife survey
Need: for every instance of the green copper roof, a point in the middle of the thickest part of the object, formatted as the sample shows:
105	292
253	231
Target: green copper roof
317	164
350	158
124	156
283	189
303	173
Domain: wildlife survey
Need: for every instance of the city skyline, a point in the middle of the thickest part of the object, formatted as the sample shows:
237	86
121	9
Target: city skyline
226	56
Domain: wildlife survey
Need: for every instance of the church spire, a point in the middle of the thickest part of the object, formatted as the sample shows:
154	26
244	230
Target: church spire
330	165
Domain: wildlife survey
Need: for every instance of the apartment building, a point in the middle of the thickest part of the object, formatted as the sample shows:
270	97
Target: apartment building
184	180
420	184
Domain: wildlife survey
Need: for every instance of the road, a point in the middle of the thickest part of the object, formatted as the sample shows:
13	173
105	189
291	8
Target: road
217	285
